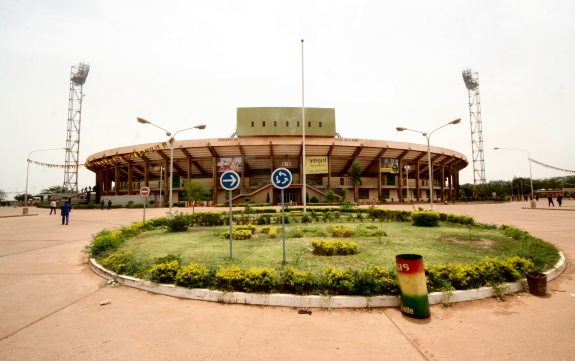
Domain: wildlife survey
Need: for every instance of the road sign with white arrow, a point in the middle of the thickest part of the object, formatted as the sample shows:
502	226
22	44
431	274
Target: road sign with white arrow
281	178
230	180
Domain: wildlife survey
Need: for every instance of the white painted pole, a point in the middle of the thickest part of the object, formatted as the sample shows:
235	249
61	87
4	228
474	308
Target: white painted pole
304	186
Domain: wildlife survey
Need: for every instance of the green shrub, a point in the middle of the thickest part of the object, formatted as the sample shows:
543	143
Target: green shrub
239	234
341	231
229	279
295	233
314	200
259	280
168	258
246	227
266	229
179	222
105	241
425	219
338	282
334	248
194	276
165	272
295	281
121	263
274	232
378	281
209	218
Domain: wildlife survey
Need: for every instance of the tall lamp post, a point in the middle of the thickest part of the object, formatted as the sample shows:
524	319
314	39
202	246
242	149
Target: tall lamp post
533	203
429	170
172	138
25	209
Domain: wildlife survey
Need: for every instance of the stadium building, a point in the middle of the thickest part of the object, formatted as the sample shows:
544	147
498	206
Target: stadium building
268	138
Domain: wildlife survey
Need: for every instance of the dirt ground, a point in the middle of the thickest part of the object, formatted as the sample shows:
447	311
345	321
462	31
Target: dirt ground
50	306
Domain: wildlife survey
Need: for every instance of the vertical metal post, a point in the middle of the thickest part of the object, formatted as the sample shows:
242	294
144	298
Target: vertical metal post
283	229
304	186
145	201
231	251
430	171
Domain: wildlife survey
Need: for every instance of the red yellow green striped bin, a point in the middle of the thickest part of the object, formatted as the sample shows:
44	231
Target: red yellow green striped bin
412	285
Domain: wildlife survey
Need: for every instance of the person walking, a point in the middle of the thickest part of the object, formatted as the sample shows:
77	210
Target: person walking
65	212
550	199
53	207
559	199
102	204
109	204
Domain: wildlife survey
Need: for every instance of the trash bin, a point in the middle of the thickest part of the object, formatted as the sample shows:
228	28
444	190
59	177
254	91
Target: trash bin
412	285
537	283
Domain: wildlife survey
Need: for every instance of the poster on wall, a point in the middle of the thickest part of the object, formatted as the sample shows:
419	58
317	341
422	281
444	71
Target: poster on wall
225	164
316	165
389	165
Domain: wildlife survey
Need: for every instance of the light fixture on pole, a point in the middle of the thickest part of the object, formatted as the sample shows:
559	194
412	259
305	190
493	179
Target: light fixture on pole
429	170
533	204
172	138
25	209
407	168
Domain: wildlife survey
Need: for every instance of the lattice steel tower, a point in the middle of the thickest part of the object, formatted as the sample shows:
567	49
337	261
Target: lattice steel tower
471	80
78	77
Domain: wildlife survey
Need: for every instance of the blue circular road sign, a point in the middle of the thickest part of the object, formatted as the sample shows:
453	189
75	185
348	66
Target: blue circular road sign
230	180
281	178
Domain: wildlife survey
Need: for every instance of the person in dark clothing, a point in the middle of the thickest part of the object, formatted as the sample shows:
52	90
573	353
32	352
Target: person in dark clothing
109	204
550	199
537	198
66	209
559	200
102	204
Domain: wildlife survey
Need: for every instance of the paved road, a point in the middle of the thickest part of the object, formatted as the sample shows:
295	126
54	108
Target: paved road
50	307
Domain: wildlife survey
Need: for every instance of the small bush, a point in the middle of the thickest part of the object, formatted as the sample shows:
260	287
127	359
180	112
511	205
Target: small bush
334	248
341	231
179	222
122	263
229	279
274	232
314	200
425	219
259	280
246	227
295	281
239	234
165	272
193	276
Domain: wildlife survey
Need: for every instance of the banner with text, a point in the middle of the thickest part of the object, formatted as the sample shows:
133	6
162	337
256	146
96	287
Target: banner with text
316	165
389	165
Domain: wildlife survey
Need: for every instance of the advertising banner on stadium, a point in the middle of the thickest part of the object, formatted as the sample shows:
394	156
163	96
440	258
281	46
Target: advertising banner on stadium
389	165
229	163
316	165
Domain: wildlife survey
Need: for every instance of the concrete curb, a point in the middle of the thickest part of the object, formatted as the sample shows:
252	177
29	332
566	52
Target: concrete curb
298	301
550	209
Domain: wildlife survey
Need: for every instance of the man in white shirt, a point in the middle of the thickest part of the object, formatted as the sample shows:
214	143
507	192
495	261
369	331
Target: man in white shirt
53	207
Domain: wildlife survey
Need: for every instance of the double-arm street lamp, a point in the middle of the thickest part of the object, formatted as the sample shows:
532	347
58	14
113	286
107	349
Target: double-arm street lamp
172	138
533	204
25	209
430	169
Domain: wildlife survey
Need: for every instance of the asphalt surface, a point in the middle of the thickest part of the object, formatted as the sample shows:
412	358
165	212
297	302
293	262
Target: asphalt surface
50	306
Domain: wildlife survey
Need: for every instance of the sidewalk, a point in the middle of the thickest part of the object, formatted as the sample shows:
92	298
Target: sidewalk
50	307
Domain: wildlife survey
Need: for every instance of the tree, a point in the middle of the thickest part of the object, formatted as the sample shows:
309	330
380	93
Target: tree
55	190
196	192
2	195
21	197
344	193
355	177
330	196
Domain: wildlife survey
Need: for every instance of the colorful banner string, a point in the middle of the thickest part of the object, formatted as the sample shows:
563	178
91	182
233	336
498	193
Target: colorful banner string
110	161
549	166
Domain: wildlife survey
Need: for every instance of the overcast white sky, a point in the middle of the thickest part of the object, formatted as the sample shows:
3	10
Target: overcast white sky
380	64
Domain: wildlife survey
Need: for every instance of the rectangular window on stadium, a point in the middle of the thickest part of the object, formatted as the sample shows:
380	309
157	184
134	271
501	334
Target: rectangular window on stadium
363	194
385	193
390	179
264	123
287	123
252	124
298	124
275	123
308	124
320	124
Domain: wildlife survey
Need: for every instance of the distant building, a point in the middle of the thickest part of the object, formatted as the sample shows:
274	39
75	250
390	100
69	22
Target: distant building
271	137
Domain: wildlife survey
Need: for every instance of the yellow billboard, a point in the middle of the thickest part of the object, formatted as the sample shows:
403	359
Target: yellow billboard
316	165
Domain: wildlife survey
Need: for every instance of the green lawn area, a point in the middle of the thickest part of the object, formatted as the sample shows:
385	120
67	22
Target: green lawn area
445	244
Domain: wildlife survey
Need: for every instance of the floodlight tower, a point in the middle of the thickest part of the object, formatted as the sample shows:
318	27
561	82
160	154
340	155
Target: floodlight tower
471	80
78	77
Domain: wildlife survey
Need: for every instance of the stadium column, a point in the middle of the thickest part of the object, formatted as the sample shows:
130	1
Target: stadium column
215	180
417	182
400	182
99	176
449	183
379	178
456	182
108	181
117	179
130	176
442	176
329	172
146	173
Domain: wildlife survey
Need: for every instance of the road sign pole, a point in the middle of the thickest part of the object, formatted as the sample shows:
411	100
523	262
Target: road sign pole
230	197
145	201
283	227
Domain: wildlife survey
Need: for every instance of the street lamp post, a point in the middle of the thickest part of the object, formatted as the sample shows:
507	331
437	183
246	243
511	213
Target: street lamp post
172	138
25	209
533	204
429	170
